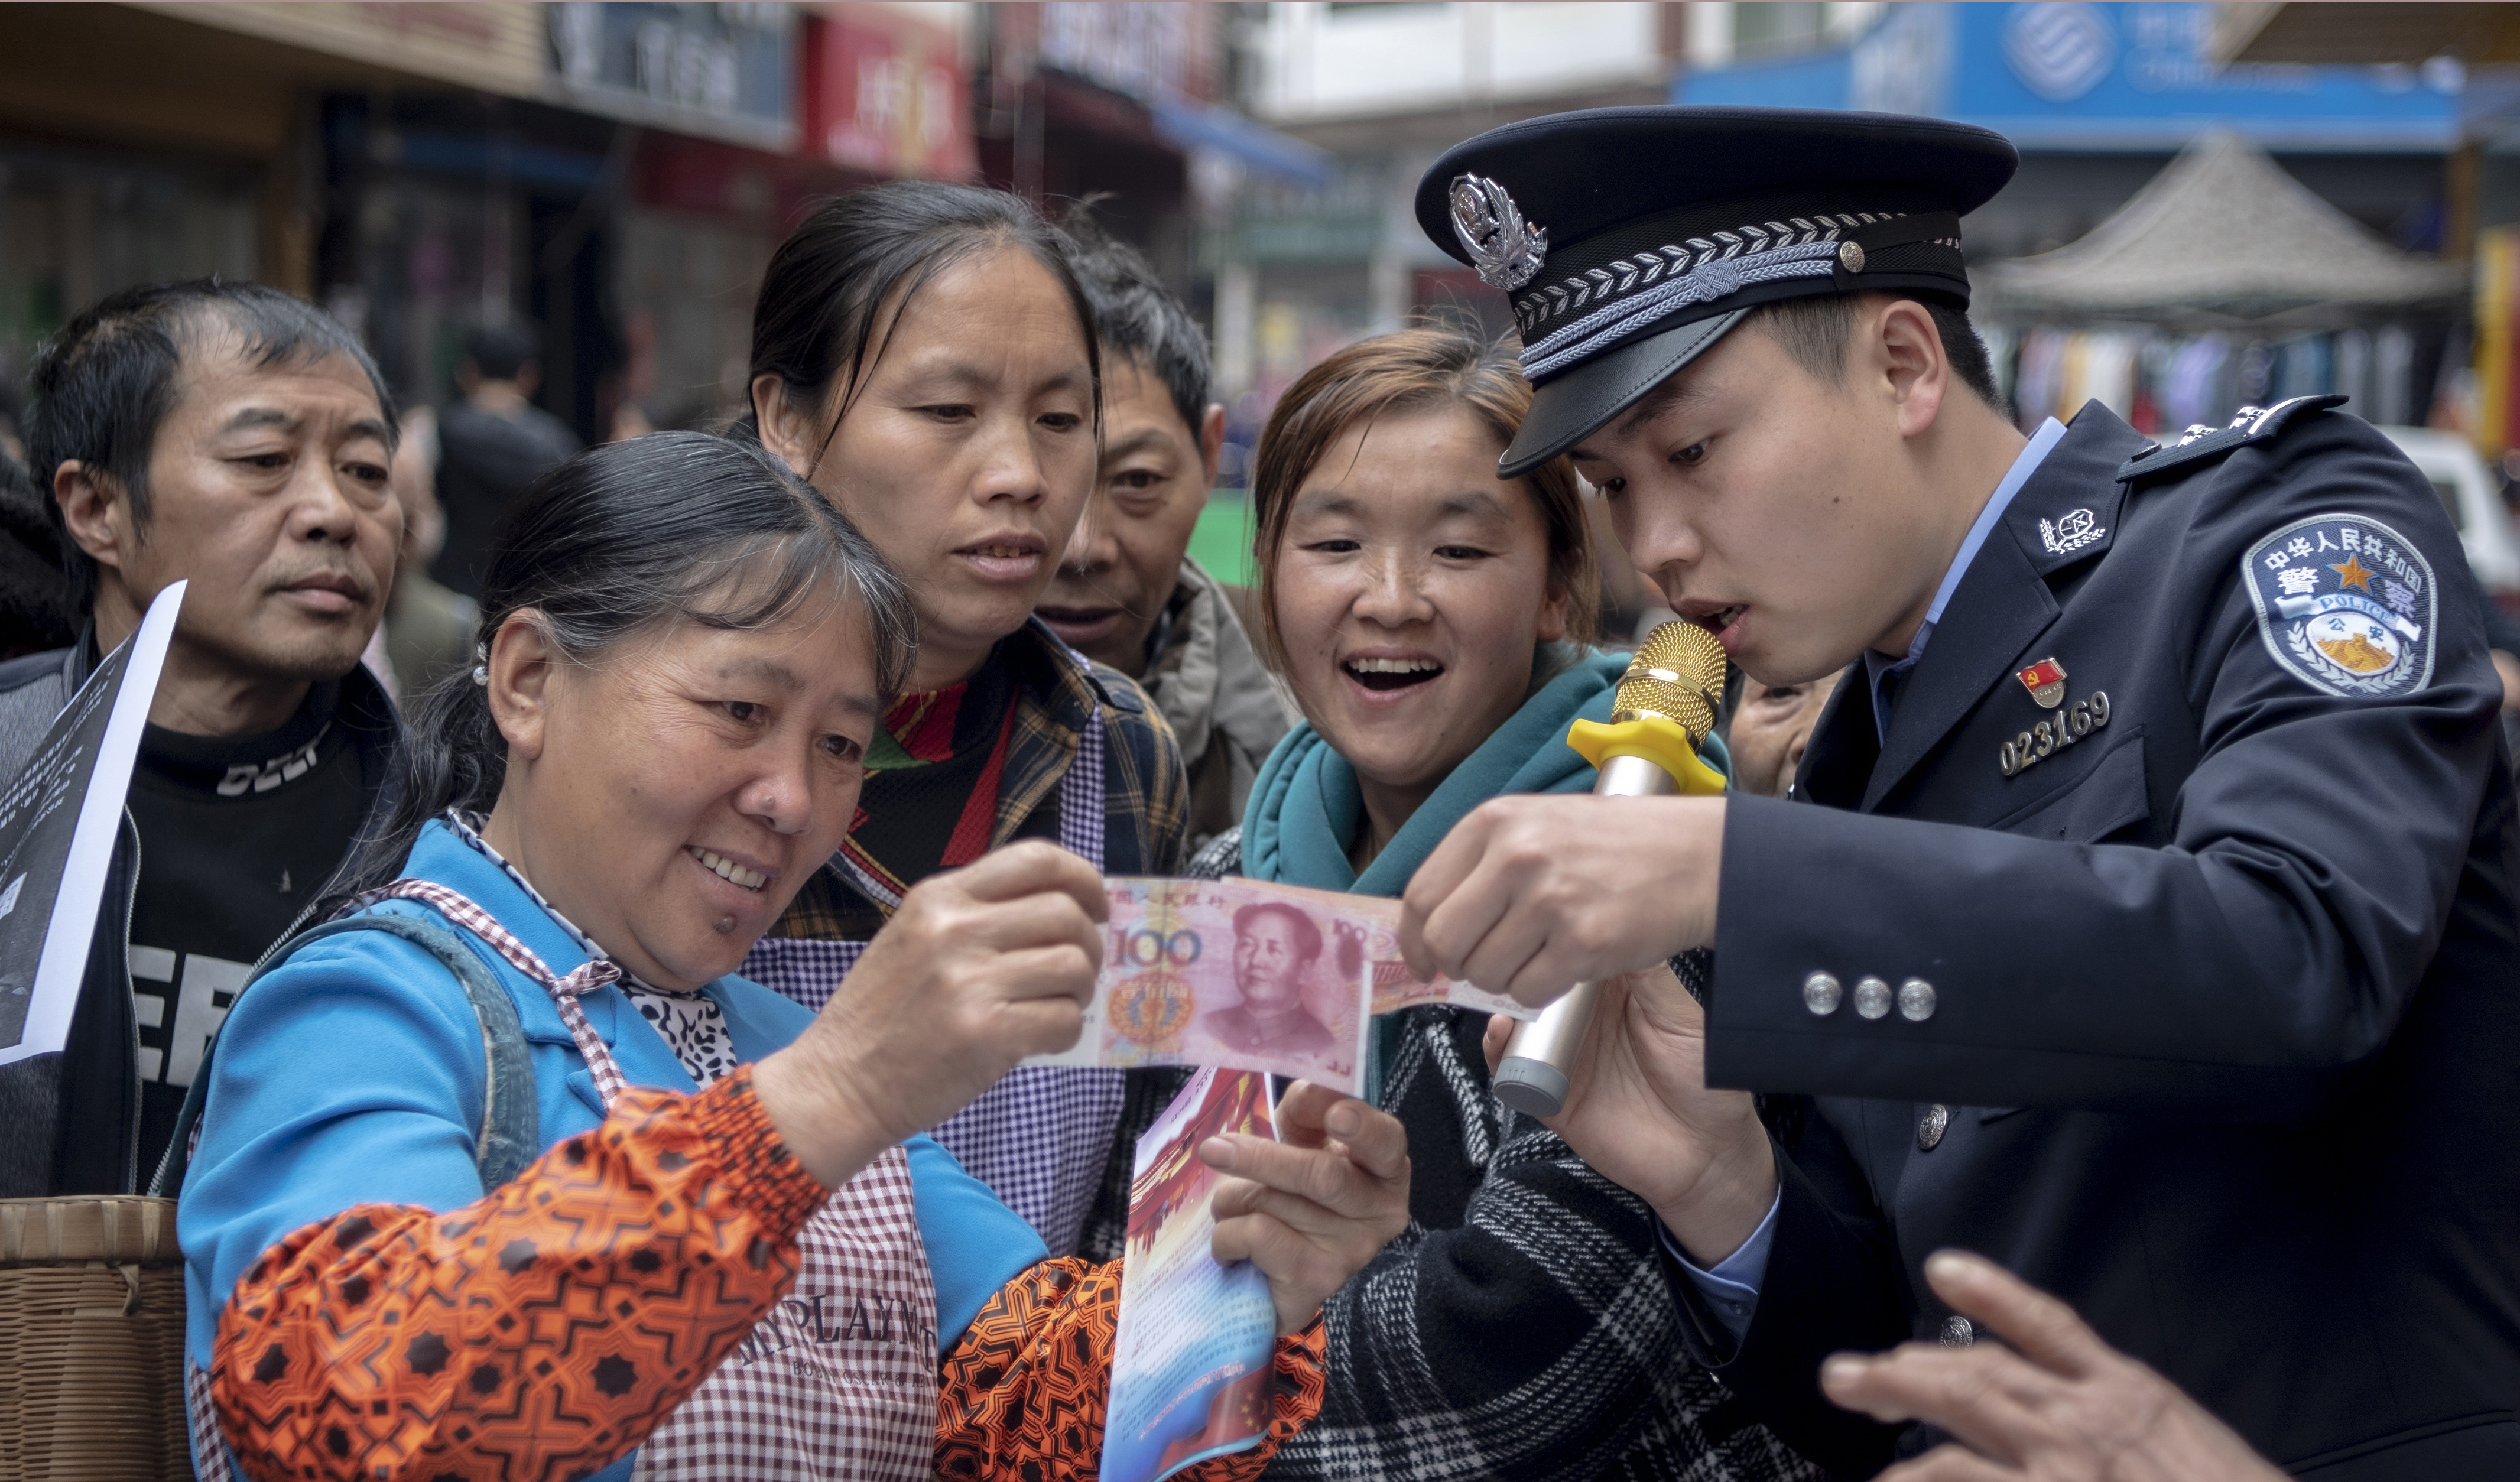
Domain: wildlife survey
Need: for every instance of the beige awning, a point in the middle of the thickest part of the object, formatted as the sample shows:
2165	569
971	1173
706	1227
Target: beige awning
2221	234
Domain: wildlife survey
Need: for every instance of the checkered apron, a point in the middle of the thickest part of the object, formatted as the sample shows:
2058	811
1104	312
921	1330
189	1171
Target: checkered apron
839	1380
1040	1137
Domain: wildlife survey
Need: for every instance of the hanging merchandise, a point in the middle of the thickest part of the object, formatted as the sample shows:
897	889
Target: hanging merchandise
2302	368
2393	394
2109	366
2163	382
2035	395
2002	344
2190	392
2070	379
2352	376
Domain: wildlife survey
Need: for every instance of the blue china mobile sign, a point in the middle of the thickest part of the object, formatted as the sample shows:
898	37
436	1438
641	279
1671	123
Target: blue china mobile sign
2097	77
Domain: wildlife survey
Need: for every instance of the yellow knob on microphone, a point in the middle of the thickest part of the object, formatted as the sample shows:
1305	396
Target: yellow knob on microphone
1657	739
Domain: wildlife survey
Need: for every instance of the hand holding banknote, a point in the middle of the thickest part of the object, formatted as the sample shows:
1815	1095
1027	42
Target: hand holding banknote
980	967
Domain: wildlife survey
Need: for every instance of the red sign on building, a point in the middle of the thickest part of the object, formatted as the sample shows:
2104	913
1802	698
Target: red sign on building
886	94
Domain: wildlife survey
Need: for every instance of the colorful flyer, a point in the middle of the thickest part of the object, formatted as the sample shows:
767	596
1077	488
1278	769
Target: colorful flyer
1190	1362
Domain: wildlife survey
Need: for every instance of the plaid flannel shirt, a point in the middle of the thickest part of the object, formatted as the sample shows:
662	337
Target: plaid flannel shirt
1145	795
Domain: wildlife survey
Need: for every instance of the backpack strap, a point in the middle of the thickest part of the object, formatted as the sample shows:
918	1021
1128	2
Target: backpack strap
511	1121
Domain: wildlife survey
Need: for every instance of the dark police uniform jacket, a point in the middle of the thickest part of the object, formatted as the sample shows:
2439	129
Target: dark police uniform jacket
2223	1043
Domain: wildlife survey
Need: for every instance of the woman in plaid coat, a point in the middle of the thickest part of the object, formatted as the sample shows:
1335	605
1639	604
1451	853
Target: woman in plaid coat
1432	622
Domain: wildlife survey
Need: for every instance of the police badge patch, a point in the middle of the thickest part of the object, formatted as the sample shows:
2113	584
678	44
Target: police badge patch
2345	603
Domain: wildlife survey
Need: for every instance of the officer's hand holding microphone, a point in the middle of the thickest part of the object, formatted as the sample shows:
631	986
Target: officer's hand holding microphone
1616	1066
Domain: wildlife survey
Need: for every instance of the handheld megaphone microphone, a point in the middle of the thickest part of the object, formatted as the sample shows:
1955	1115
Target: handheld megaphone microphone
1666	708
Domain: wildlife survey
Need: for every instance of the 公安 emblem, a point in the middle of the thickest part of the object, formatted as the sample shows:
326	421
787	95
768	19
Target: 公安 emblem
1506	251
2076	529
2343	605
2046	681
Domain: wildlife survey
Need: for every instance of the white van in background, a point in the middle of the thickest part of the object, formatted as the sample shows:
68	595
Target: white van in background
2473	496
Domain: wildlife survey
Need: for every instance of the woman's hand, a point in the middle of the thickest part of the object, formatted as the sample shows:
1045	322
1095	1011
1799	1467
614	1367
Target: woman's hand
1639	1110
980	968
1313	1207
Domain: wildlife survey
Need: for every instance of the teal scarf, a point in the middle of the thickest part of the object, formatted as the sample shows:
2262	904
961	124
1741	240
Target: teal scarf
1306	807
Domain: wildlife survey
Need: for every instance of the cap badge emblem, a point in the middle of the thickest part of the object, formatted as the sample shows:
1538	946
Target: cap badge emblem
1506	251
2046	681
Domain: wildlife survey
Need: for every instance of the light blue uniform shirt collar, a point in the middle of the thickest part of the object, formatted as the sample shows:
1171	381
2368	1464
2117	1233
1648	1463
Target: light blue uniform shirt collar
1875	666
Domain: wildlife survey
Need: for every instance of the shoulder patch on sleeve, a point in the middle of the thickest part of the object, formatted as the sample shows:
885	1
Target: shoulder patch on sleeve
2345	605
2202	444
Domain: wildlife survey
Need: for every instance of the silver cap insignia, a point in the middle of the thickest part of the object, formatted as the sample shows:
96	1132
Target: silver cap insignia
1505	251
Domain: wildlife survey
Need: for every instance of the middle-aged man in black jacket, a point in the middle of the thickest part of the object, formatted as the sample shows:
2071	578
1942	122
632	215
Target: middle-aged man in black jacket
229	435
2153	932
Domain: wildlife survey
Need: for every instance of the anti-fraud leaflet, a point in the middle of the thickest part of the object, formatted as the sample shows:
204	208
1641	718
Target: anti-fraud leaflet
1190	1365
58	822
1251	976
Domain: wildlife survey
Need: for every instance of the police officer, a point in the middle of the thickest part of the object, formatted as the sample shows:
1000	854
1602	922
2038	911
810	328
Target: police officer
2153	932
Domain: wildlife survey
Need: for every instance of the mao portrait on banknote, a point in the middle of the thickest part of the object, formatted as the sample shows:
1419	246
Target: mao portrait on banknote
1219	972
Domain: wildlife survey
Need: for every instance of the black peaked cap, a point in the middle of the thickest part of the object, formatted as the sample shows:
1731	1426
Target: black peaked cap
1663	226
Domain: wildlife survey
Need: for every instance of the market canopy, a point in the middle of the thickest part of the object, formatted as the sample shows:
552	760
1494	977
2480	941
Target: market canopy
2221	234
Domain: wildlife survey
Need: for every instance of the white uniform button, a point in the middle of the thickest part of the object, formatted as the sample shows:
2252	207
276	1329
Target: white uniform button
1916	1001
1822	994
1957	1333
1931	1126
1871	997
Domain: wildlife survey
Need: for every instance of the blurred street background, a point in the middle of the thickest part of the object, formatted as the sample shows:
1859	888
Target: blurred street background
2218	205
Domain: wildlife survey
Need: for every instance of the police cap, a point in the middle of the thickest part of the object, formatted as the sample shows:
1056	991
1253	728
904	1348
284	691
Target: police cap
1627	240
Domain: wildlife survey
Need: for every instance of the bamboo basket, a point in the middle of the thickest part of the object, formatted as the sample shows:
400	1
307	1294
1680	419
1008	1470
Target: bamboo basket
91	1341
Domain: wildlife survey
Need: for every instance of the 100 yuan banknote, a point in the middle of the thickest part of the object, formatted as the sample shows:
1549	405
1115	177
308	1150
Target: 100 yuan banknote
1250	976
1397	985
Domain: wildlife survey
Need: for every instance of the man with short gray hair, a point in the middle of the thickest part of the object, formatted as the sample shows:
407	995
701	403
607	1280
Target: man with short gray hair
230	435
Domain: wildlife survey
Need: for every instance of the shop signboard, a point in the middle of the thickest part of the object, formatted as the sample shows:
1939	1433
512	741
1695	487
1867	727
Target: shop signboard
1281	222
2098	78
886	93
722	71
1146	52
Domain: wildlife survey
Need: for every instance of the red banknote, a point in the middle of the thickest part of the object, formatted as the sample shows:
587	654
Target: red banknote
1250	976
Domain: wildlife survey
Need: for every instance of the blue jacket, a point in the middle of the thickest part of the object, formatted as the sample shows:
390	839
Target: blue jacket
353	1074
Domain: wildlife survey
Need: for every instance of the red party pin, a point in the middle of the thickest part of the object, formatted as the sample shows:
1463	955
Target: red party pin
2046	681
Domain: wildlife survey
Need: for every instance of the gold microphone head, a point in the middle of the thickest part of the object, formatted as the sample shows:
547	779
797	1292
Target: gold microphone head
1677	674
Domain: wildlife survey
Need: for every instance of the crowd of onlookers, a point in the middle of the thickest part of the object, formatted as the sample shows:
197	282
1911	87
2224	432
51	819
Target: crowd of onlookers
756	740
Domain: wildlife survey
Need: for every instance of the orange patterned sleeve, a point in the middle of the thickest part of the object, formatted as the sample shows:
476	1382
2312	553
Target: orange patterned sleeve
543	1331
1026	1389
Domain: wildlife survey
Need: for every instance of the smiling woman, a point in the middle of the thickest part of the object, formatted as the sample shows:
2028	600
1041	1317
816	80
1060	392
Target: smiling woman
924	354
1429	616
505	1172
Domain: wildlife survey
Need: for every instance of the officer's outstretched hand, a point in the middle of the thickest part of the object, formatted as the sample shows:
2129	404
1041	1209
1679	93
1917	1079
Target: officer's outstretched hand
2057	1404
1639	1112
1532	894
